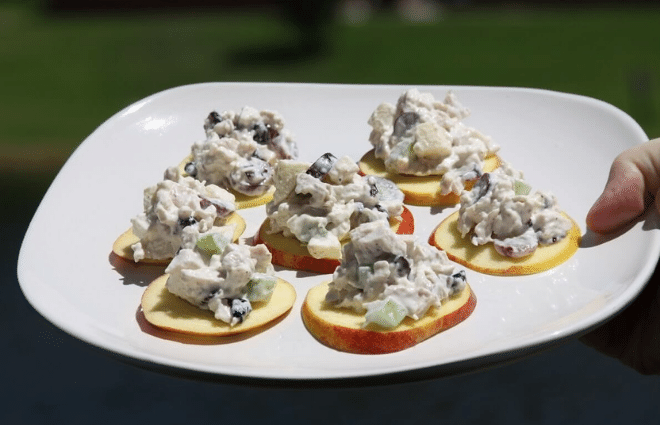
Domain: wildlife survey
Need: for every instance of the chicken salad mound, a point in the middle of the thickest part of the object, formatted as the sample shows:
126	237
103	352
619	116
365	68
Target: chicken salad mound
176	211
218	275
389	277
319	204
240	150
422	136
500	209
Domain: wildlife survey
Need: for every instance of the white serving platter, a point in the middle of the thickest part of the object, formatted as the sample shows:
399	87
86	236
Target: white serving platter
563	143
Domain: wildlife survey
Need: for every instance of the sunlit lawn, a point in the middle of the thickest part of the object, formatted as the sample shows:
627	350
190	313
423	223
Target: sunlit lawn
63	76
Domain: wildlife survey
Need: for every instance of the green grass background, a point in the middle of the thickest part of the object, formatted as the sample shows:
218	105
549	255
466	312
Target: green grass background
63	75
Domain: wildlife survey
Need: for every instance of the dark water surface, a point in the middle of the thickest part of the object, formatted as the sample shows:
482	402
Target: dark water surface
51	377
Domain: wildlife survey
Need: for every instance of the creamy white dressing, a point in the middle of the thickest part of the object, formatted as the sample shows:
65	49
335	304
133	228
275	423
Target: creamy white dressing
422	136
379	265
240	150
176	211
320	212
516	223
219	282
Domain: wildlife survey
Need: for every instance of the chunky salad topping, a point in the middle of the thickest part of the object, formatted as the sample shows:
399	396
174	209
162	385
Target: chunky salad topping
501	209
389	277
320	203
422	136
221	276
240	150
176	211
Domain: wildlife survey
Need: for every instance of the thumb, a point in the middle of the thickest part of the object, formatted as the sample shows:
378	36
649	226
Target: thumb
634	179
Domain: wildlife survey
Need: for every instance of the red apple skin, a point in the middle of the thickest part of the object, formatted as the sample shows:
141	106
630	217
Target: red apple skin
300	258
366	341
300	262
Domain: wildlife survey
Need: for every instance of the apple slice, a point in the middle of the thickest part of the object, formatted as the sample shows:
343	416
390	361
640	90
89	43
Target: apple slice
419	190
341	328
290	253
122	245
242	200
165	310
485	259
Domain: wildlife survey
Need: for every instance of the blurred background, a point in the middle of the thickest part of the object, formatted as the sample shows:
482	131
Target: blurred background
68	65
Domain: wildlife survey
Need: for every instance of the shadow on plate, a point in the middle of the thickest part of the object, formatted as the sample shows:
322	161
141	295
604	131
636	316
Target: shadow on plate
135	273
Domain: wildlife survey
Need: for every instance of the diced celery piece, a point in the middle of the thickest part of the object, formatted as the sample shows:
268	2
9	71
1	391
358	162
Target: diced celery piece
521	188
404	149
388	315
260	287
212	243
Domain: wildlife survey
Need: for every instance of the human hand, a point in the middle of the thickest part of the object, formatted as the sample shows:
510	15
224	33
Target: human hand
633	336
632	186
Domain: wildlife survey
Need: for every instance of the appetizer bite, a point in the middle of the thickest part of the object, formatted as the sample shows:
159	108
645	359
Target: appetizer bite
176	211
217	288
316	205
239	153
422	145
503	229
388	294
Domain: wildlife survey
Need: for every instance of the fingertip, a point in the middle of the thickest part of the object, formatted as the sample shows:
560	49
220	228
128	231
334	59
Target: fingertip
621	202
600	217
